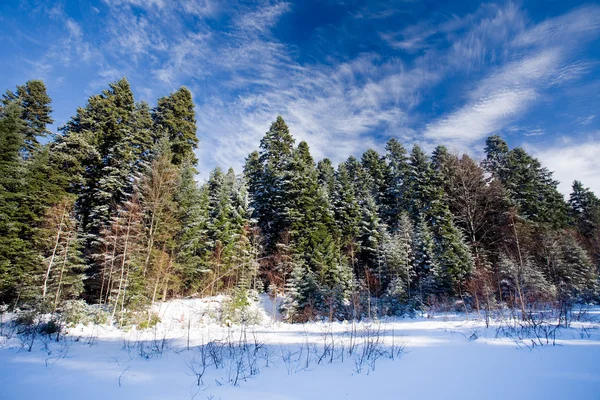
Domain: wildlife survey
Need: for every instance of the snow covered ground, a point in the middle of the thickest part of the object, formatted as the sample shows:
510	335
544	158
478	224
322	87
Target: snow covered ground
446	356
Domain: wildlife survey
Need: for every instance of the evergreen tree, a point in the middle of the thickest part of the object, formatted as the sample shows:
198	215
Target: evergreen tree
584	210
326	176
345	206
35	109
569	268
396	196
269	184
496	161
157	190
426	264
175	118
376	167
425	194
192	204
454	256
360	178
18	260
399	260
61	249
370	239
529	185
112	135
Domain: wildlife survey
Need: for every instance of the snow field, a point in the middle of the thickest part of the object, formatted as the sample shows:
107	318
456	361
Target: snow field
189	356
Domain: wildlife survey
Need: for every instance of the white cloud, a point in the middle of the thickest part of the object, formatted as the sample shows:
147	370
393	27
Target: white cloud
244	76
480	119
508	92
575	162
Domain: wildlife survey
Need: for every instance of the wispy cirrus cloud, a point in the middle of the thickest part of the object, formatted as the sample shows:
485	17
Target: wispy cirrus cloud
450	77
507	93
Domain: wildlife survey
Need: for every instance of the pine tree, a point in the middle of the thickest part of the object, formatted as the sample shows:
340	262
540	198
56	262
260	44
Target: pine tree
193	216
360	178
569	268
326	176
396	196
529	185
112	136
584	210
18	260
376	167
313	229
345	206
174	117
454	256
269	183
220	231
524	280
426	263
370	239
496	161
35	108
399	260
157	189
425	195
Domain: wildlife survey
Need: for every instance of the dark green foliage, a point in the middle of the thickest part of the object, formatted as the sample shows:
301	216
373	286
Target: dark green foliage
113	135
397	181
584	210
529	185
326	175
269	179
426	264
175	118
569	268
376	167
17	257
345	206
193	214
35	108
424	192
113	202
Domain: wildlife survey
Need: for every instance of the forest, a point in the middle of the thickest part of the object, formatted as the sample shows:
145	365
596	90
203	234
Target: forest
107	212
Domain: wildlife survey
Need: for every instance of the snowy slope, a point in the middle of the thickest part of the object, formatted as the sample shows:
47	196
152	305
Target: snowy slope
442	357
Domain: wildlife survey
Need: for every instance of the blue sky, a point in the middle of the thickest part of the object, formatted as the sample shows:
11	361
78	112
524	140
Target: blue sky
345	75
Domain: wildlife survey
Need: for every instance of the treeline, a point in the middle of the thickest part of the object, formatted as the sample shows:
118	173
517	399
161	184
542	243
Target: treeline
108	210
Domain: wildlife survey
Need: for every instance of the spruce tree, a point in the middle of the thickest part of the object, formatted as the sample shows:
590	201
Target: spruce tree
426	264
35	108
396	196
424	193
192	204
62	278
112	136
529	185
174	117
570	269
326	176
376	167
584	210
18	260
269	183
345	205
157	190
399	261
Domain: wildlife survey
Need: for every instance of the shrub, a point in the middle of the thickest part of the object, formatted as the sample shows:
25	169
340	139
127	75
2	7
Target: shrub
236	309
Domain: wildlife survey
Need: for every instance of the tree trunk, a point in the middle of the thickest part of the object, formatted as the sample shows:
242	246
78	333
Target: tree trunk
62	271
56	243
123	261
